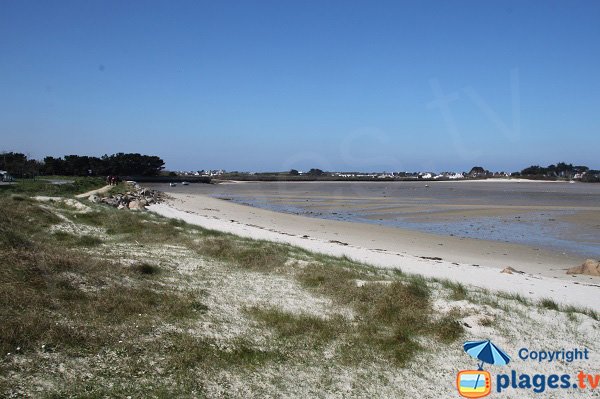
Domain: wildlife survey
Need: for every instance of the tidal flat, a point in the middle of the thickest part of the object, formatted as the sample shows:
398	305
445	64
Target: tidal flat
551	215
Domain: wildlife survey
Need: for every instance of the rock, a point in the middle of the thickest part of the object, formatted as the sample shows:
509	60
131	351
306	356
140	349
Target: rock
510	270
134	200
590	267
135	205
111	201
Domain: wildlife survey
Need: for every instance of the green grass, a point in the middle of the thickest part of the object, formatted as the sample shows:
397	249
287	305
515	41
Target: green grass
390	315
581	310
550	304
515	296
146	269
45	295
135	227
43	303
392	309
570	310
304	327
57	297
458	291
40	186
250	255
448	329
74	240
121	188
188	352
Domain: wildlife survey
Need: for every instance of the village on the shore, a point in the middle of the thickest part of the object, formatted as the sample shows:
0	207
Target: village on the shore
560	171
133	165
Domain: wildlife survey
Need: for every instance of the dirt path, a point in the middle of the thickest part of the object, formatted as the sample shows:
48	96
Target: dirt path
97	191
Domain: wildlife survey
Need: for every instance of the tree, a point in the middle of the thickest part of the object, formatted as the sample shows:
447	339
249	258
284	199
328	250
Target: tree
15	163
534	170
477	171
315	172
53	166
116	164
591	176
76	165
134	164
294	172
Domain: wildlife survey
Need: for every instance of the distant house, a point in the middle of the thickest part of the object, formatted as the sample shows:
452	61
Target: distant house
4	176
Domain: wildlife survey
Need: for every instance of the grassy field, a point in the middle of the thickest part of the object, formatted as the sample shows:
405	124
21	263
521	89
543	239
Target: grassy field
43	186
97	302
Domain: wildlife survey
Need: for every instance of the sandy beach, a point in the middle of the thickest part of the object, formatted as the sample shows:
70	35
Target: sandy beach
469	261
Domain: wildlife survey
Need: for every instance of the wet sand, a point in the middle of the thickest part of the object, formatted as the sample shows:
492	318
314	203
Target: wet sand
561	217
375	237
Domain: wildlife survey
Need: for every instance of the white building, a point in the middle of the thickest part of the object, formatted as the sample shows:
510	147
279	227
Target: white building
4	176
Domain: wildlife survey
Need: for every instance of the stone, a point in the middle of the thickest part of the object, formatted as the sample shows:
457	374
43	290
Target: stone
111	201
510	270
590	267
136	205
134	200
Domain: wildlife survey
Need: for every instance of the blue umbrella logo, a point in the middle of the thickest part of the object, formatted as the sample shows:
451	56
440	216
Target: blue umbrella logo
486	352
468	381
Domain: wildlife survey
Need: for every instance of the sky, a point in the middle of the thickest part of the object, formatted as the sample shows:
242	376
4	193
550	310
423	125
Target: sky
274	85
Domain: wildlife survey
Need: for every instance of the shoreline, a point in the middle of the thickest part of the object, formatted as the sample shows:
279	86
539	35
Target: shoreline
469	261
554	217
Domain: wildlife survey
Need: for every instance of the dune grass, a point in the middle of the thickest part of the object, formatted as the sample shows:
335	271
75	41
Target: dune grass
41	186
75	240
391	314
549	303
458	291
57	298
248	254
44	298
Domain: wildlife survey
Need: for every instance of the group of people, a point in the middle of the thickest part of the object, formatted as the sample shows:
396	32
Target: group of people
112	180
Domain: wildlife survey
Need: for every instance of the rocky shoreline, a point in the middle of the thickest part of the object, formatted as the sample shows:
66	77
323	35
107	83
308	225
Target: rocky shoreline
135	199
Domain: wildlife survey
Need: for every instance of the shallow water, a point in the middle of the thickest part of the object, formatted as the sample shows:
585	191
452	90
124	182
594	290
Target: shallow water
560	216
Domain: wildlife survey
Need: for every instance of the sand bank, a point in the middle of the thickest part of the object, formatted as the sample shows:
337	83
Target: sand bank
470	261
512	180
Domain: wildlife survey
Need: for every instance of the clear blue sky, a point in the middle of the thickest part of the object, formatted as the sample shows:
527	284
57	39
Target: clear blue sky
271	85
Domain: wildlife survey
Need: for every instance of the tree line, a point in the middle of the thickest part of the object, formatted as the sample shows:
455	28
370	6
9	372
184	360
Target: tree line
121	164
561	170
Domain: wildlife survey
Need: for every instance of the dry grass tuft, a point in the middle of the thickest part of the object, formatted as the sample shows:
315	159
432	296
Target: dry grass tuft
251	255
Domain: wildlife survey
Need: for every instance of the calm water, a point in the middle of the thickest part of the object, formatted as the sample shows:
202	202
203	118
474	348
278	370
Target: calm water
560	216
